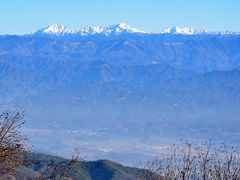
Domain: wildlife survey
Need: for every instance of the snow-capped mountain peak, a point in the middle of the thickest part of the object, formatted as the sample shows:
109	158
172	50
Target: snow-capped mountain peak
56	29
185	30
122	27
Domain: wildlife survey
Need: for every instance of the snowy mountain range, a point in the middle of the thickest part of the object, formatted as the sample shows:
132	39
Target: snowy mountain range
60	30
118	29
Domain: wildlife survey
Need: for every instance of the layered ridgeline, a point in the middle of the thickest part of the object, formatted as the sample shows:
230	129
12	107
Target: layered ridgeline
40	164
117	89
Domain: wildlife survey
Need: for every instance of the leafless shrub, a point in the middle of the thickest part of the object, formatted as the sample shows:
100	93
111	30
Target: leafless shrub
62	169
196	161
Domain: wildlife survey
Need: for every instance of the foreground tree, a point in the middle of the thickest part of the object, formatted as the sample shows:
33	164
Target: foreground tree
12	143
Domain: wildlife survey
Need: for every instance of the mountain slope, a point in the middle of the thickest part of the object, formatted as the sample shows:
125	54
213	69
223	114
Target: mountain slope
196	53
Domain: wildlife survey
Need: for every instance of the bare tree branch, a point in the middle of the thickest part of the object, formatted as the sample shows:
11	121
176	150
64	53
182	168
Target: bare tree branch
12	143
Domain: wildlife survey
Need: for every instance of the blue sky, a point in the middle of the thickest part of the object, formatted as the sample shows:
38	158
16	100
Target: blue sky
24	16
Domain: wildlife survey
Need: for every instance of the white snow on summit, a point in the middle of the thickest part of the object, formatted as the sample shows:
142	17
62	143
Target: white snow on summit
56	29
91	30
110	30
178	30
122	28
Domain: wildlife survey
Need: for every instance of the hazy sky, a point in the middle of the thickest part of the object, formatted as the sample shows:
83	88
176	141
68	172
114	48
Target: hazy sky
24	16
